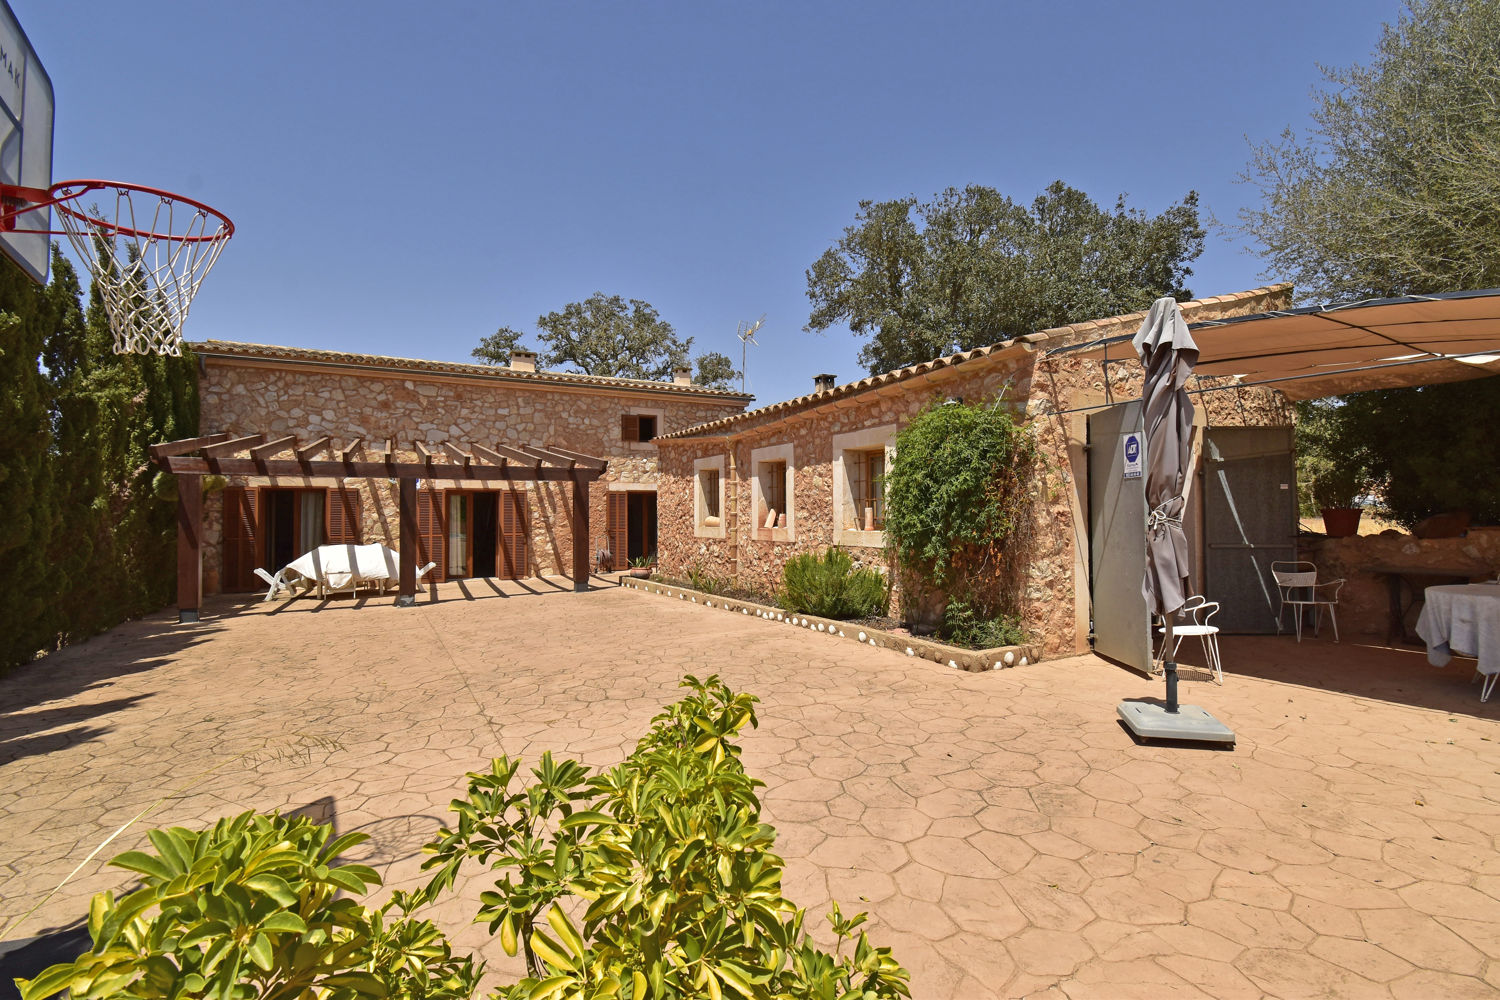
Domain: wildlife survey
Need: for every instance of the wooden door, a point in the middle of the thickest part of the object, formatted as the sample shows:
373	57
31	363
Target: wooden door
431	533
514	537
617	529
240	550
345	515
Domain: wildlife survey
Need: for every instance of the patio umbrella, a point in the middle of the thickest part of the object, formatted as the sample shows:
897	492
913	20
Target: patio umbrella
1167	354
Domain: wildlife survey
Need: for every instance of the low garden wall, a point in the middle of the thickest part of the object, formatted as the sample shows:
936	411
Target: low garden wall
972	660
1364	603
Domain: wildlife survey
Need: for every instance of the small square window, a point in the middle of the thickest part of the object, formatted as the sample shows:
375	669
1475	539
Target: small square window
648	427
773	492
638	427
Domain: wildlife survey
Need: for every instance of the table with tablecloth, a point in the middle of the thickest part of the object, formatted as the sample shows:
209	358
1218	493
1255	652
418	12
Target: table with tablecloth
1464	619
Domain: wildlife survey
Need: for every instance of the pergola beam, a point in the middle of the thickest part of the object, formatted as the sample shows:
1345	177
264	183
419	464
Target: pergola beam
187	465
587	461
348	453
272	447
306	454
232	445
186	446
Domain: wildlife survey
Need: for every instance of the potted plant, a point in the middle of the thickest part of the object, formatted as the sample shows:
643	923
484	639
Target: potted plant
641	566
1336	493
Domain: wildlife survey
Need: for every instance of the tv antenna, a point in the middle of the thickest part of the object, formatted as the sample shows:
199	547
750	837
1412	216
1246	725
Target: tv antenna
746	333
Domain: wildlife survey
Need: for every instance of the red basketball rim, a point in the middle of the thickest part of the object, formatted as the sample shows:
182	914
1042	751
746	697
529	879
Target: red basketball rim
64	193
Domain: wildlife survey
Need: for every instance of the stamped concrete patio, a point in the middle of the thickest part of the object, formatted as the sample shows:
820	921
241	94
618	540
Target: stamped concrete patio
1006	834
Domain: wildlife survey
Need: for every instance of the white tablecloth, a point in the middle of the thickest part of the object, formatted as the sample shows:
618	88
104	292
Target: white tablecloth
1462	619
337	566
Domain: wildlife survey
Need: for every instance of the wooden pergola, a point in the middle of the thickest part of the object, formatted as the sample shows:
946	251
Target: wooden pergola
190	459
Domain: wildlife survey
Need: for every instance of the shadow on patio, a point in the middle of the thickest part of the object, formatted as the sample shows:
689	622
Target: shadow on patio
1354	667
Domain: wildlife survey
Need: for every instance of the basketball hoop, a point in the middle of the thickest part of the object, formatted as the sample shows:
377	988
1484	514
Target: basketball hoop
147	260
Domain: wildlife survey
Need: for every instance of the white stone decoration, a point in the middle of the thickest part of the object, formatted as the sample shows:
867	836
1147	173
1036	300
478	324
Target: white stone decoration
910	651
953	663
1010	657
1023	661
862	637
874	643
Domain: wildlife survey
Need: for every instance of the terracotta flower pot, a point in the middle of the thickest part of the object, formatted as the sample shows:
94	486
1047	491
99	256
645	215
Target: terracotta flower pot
1341	522
641	572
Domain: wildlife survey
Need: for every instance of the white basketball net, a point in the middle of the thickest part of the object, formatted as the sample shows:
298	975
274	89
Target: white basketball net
147	267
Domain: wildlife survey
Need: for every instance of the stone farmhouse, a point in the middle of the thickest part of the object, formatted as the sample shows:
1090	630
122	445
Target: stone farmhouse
469	528
692	476
742	494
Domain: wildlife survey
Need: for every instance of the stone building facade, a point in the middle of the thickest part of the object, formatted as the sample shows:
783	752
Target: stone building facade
742	494
348	398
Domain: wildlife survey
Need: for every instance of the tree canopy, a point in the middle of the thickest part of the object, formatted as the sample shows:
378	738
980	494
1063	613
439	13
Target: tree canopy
606	335
1395	190
972	267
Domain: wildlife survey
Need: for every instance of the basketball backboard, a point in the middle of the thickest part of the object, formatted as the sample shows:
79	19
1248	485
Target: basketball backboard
26	113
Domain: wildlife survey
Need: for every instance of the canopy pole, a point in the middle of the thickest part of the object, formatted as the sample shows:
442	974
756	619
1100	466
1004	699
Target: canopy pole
406	595
581	543
189	547
1169	664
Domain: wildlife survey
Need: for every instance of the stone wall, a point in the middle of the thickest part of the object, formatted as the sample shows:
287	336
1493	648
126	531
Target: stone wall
246	397
1363	608
1048	390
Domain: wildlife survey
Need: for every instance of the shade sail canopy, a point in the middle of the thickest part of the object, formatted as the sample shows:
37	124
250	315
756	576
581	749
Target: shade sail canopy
1330	350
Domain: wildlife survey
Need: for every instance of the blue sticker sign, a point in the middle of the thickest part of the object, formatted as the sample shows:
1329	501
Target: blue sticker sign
1133	456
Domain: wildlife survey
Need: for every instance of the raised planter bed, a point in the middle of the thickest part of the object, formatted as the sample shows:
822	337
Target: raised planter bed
972	660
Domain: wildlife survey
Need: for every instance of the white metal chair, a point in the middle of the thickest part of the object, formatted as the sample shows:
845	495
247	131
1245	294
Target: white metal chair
1300	589
1197	610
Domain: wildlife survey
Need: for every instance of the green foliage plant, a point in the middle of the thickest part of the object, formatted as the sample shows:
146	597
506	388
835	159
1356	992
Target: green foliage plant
251	909
609	335
972	267
956	491
967	622
652	879
1333	463
829	586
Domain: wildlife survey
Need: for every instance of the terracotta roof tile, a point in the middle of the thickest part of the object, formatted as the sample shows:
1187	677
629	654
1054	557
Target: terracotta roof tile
301	355
1055	336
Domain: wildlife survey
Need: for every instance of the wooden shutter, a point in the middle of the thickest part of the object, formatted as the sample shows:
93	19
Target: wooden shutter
617	529
345	514
514	536
630	427
432	532
240	549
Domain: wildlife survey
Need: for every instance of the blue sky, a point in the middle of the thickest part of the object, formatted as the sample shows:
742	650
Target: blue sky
406	177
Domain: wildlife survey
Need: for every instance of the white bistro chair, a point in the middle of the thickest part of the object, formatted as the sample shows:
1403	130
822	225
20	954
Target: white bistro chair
1196	611
1299	589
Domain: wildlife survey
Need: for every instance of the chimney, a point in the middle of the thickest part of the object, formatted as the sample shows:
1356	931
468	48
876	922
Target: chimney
522	360
824	382
682	376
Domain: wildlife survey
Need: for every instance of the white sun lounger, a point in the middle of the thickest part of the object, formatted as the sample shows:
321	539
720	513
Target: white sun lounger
331	569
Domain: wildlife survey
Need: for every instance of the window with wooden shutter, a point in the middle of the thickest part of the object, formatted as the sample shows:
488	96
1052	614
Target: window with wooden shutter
431	527
515	535
240	550
617	529
345	516
630	427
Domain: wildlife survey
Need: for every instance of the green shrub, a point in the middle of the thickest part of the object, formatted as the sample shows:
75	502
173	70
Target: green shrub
652	879
250	908
956	485
830	587
970	625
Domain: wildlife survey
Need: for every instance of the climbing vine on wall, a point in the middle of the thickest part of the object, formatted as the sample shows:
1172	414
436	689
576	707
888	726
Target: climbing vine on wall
957	491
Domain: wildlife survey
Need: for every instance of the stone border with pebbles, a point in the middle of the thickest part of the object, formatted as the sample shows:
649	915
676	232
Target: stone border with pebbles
973	660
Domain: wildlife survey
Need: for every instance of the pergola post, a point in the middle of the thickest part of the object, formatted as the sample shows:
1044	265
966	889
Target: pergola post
189	547
406	595
581	543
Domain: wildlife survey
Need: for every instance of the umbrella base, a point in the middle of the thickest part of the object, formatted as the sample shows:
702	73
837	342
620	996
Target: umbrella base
1150	721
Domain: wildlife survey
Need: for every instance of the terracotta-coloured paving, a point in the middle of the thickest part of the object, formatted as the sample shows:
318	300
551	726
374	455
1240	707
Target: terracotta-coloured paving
1007	836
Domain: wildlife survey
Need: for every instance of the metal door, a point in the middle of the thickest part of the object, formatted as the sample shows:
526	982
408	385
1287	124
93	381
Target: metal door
1117	536
1249	522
